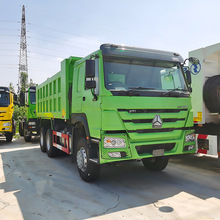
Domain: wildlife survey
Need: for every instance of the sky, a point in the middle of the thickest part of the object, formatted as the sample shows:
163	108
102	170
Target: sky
58	29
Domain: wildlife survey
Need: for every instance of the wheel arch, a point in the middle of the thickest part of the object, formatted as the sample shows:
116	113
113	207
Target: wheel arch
80	129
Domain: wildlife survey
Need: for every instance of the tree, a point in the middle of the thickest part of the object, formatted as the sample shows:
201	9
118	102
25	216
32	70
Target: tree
23	81
31	83
11	87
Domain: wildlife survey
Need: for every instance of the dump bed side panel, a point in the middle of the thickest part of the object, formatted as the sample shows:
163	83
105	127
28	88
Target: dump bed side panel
52	95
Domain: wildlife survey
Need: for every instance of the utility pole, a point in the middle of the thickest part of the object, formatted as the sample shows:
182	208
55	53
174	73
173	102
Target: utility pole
23	66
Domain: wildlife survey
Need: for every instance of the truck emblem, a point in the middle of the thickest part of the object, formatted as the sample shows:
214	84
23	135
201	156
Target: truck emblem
157	122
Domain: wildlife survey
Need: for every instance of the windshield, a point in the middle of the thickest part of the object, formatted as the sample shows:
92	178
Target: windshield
33	98
124	74
4	99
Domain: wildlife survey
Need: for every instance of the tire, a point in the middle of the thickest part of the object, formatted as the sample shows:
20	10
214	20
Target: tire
50	149
43	139
14	127
211	94
9	136
88	170
156	163
21	130
27	138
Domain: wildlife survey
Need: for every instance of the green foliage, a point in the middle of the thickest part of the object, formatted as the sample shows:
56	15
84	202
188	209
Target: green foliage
24	81
19	113
11	87
31	83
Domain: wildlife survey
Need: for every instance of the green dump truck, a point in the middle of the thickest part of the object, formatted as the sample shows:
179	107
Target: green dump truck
29	126
119	103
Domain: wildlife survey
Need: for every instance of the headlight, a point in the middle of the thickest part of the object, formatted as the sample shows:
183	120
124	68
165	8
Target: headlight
31	123
113	142
6	124
190	137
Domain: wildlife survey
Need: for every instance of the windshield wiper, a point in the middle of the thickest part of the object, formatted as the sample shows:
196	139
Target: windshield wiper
141	88
174	90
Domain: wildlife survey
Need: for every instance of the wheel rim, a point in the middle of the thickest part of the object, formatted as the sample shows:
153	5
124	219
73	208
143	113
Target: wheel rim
48	142
81	159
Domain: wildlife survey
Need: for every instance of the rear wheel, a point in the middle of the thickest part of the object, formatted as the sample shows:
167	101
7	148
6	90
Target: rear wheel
50	149
156	163
9	136
21	130
43	139
88	170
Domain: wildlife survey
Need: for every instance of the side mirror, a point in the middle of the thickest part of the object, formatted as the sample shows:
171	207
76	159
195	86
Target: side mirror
188	77
90	68
15	99
194	60
90	84
22	99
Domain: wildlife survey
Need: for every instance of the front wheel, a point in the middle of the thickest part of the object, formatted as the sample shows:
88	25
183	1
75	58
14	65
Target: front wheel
156	163
88	170
9	137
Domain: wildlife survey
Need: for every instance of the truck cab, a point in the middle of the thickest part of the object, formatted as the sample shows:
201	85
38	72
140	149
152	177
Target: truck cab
29	126
6	113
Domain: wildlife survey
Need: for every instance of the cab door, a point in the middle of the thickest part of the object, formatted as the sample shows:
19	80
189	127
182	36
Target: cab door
78	87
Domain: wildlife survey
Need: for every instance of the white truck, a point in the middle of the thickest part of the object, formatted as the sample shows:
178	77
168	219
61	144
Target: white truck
206	100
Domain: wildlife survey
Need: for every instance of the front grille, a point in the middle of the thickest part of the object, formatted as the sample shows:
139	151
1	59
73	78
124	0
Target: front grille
152	110
140	121
136	121
148	149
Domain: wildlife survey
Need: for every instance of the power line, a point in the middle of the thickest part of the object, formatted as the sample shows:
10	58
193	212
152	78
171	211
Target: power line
47	48
63	38
9	55
42	59
8	29
54	42
10	21
42	54
9	35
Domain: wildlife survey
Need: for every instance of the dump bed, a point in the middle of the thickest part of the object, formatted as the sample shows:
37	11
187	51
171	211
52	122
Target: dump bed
205	85
52	99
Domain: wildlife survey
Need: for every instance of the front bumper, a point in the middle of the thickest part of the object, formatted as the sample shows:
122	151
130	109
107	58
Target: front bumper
5	126
136	150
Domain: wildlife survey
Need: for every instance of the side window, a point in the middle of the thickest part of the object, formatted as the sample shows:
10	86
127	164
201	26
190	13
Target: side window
26	97
97	75
81	76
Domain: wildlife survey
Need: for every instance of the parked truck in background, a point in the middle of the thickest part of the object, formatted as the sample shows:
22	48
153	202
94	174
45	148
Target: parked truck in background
29	126
7	127
206	100
118	103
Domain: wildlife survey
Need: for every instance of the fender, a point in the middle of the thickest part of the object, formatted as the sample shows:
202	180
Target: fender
81	117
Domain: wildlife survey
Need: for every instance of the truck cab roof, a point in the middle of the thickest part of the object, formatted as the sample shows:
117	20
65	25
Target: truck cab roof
120	50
